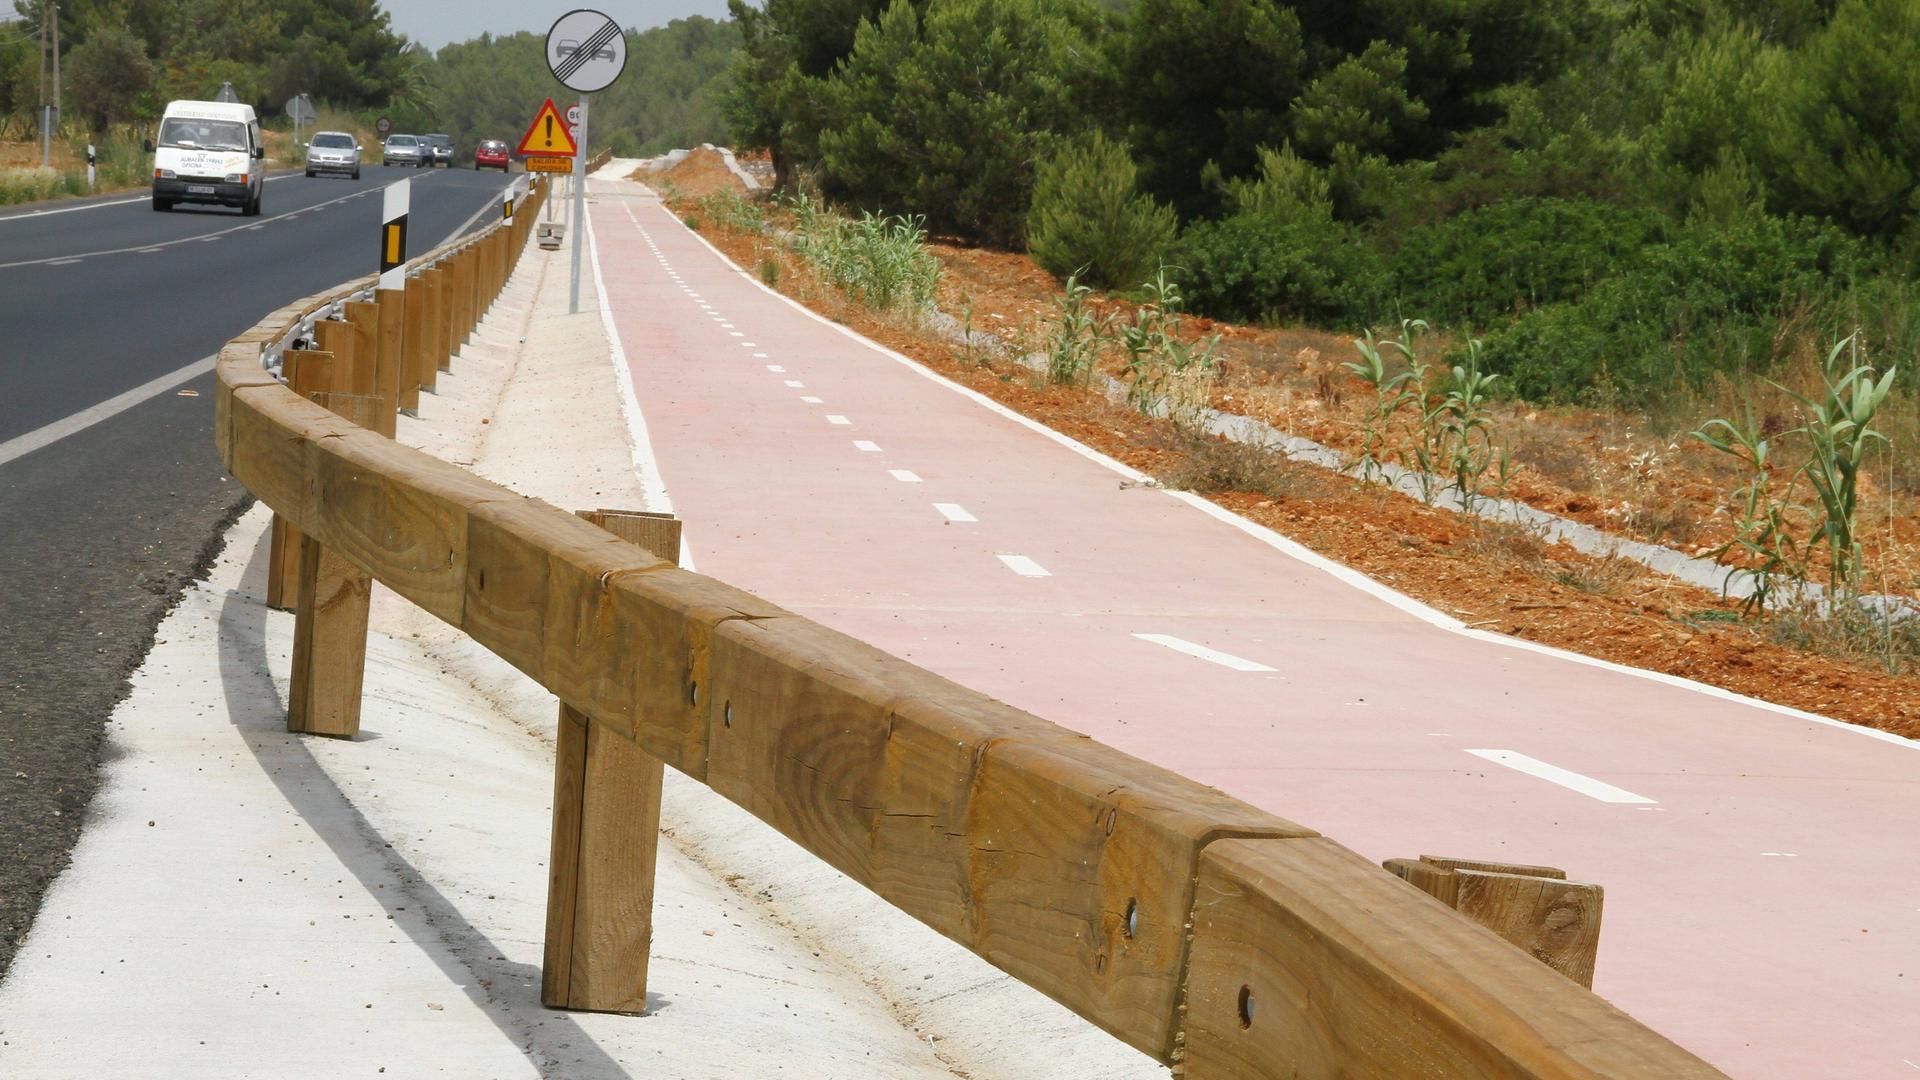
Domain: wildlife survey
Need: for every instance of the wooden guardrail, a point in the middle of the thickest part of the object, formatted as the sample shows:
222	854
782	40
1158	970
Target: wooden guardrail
1210	934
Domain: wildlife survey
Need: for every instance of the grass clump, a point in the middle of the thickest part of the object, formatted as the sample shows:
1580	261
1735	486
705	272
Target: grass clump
1210	465
880	260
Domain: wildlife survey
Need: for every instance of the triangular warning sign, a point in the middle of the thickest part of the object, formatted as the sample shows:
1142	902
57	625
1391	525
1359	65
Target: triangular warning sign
548	135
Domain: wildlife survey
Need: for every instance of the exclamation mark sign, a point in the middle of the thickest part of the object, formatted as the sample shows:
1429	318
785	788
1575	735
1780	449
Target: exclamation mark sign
549	129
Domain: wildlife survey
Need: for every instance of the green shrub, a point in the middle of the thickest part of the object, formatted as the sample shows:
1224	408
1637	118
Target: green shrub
1272	268
1486	265
1715	299
1090	219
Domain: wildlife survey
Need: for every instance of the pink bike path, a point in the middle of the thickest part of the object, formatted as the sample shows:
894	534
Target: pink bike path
1762	871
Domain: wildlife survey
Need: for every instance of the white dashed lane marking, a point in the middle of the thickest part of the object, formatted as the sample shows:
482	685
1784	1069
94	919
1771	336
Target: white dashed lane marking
1195	649
1566	778
1024	566
954	512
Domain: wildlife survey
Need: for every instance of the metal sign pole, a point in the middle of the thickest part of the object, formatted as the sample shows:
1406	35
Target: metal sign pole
579	206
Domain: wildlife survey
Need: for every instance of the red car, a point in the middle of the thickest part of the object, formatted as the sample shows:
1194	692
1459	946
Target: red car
490	154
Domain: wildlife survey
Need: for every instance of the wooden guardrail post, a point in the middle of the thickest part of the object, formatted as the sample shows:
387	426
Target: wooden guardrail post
606	827
307	371
462	297
444	345
390	309
1535	907
413	346
333	596
364	320
335	337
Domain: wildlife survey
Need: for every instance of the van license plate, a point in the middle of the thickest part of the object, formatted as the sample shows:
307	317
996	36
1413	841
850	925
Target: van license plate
199	189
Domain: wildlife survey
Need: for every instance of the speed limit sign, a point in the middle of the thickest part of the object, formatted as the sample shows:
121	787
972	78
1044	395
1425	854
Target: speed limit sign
573	115
383	125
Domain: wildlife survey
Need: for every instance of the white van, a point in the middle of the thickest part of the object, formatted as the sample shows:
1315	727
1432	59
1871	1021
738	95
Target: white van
209	152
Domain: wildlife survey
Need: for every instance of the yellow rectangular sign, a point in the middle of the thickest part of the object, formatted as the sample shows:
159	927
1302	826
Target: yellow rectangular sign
549	164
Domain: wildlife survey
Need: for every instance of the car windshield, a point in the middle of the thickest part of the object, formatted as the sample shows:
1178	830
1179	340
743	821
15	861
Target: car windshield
440	140
401	140
187	131
333	141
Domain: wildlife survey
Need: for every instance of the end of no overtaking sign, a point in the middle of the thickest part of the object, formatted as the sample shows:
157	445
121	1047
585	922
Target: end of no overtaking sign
586	50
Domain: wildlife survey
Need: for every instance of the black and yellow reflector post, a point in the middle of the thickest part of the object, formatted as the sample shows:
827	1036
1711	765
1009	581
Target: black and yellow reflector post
391	296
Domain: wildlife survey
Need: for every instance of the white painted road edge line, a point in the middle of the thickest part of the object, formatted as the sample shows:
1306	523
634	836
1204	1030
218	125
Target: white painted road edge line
22	445
1293	548
1024	566
905	476
1182	645
653	486
1572	781
97	205
954	512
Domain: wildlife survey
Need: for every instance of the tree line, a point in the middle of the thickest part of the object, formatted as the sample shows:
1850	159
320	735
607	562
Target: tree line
1622	195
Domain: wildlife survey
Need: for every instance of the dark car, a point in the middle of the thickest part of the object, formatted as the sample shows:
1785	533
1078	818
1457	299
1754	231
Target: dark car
442	149
491	154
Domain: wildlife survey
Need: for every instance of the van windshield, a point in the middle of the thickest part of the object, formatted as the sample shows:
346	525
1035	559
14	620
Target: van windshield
187	131
333	140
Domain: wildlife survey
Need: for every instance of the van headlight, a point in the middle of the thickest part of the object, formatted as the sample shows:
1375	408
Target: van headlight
163	174
236	178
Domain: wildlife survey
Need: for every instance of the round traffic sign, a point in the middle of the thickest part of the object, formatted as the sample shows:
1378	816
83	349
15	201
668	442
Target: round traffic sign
383	125
586	50
573	115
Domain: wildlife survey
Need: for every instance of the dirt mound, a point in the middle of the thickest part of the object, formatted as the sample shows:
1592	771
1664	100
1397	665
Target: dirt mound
699	173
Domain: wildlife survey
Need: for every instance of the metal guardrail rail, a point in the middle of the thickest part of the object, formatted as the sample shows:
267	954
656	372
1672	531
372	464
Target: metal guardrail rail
1212	935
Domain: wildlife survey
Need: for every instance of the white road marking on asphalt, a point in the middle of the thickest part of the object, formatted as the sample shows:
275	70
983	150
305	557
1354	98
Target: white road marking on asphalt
98	205
64	262
21	445
1781	854
1023	566
954	512
1195	649
181	240
747	344
796	384
810	399
905	476
1554	774
775	367
761	355
735	333
832	418
868	447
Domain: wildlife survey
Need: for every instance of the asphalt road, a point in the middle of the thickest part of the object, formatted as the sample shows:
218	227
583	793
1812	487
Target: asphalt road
100	529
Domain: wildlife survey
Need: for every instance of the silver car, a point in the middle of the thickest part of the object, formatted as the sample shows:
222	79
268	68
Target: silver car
406	150
442	148
333	152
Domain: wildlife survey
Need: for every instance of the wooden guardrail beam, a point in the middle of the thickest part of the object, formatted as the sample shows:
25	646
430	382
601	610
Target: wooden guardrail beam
1210	934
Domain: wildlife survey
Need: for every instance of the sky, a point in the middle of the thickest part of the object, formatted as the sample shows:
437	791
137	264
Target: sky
434	23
